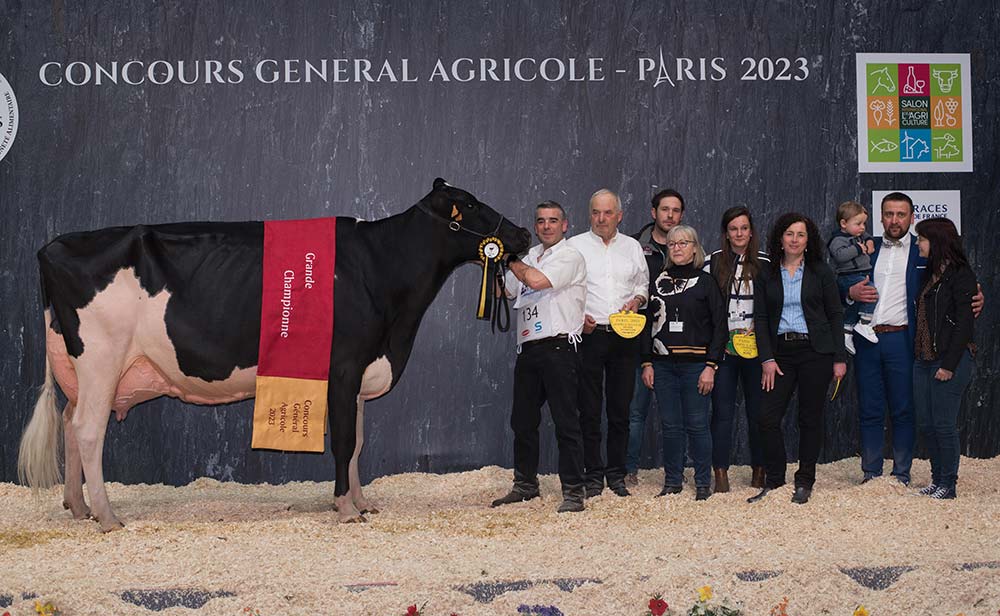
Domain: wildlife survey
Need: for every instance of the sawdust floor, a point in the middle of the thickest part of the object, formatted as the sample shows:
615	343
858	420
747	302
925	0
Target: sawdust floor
279	550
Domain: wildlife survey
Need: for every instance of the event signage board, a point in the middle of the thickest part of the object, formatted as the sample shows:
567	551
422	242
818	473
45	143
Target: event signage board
914	112
926	204
8	116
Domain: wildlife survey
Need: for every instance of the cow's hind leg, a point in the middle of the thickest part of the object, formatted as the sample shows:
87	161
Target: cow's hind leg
342	417
73	488
90	422
360	502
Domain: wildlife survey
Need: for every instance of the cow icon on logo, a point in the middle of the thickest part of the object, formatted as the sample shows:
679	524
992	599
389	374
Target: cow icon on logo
945	79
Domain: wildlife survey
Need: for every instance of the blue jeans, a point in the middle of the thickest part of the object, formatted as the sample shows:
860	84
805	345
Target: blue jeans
637	412
683	412
853	312
732	371
885	376
937	404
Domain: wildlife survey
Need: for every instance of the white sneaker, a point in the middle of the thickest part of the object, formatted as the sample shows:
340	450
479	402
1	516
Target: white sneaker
849	342
866	332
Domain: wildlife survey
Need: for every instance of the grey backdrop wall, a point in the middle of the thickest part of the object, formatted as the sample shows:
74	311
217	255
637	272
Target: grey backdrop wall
92	155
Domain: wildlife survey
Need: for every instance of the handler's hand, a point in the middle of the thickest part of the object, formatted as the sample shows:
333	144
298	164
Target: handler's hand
631	305
647	376
768	370
977	301
706	381
862	292
943	375
588	324
839	370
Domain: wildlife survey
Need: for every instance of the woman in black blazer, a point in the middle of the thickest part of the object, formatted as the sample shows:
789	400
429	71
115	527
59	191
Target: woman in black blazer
799	320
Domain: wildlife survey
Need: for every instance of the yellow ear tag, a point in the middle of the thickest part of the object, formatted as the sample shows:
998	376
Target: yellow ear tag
745	345
627	324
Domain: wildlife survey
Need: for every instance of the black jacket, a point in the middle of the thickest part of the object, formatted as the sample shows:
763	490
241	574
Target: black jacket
949	314
687	294
820	304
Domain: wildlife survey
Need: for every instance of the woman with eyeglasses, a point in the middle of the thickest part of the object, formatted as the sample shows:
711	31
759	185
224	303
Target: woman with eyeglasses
799	324
944	350
682	345
737	267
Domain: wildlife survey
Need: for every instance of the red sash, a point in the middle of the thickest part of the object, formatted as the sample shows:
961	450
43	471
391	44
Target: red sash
296	331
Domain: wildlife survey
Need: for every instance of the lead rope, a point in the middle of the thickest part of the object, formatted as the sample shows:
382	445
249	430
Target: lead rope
500	321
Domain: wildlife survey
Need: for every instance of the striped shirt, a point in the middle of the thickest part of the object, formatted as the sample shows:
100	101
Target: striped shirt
740	309
792	317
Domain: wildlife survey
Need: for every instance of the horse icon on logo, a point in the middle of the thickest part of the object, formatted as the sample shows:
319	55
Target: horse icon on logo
883	80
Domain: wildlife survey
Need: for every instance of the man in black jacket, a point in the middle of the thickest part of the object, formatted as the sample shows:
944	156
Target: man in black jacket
667	210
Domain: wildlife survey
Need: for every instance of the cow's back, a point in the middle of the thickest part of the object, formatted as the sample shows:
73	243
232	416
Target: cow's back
209	273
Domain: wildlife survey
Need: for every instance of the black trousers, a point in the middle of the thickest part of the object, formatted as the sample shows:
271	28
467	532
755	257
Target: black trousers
547	371
810	373
609	364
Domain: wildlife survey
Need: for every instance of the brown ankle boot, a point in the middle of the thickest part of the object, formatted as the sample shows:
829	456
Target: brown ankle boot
758	477
721	480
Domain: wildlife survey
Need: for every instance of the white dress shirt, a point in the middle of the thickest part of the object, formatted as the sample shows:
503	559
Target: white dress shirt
562	304
889	277
616	272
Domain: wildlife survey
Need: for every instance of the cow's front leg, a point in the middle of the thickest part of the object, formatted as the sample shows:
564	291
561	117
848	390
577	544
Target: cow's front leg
343	411
361	503
73	488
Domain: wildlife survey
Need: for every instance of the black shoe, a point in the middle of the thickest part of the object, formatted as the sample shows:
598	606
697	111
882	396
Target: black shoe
594	491
516	495
868	477
801	495
670	490
931	489
943	493
620	490
570	505
702	493
760	495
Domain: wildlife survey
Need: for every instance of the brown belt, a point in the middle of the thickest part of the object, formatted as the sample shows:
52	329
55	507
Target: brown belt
888	329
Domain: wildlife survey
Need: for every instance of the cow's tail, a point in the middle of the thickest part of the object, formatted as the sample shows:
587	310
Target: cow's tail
38	458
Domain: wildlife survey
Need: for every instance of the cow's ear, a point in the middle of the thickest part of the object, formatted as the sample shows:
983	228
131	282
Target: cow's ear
439	184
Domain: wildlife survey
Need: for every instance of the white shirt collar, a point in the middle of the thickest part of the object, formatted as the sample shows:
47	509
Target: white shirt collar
600	239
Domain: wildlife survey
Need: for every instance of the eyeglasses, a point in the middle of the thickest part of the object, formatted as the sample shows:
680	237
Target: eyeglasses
679	244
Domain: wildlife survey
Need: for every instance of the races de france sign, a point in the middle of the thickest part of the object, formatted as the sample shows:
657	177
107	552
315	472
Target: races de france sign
8	117
926	204
914	112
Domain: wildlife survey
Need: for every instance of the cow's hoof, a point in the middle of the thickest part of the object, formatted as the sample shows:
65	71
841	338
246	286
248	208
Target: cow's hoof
370	509
352	519
80	512
111	526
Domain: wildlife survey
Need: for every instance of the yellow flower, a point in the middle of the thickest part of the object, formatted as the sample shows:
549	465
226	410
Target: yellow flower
705	593
861	611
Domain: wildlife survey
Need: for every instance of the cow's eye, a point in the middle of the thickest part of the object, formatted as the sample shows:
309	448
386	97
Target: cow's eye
470	205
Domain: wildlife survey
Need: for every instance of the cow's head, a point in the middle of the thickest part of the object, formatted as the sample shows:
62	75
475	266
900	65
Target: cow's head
472	221
946	79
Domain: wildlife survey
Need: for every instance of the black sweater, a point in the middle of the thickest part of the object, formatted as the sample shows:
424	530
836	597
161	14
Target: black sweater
687	294
949	314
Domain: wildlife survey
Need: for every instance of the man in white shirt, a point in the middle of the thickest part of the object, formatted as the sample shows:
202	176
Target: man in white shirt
617	279
885	369
550	287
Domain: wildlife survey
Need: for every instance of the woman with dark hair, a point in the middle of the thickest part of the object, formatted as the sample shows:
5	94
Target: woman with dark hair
943	348
799	321
735	267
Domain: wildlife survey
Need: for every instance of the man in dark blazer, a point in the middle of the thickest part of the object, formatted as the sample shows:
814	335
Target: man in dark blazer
885	369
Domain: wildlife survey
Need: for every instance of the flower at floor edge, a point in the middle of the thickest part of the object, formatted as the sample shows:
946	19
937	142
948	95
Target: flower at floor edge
705	593
657	606
861	611
412	610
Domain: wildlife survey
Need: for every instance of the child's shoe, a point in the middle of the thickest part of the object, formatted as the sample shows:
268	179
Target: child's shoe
867	332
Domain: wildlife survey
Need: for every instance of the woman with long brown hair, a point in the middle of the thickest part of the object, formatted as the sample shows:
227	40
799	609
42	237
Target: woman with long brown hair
944	350
800	323
735	267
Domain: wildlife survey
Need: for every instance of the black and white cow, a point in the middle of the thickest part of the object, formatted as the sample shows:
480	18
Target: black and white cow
134	313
